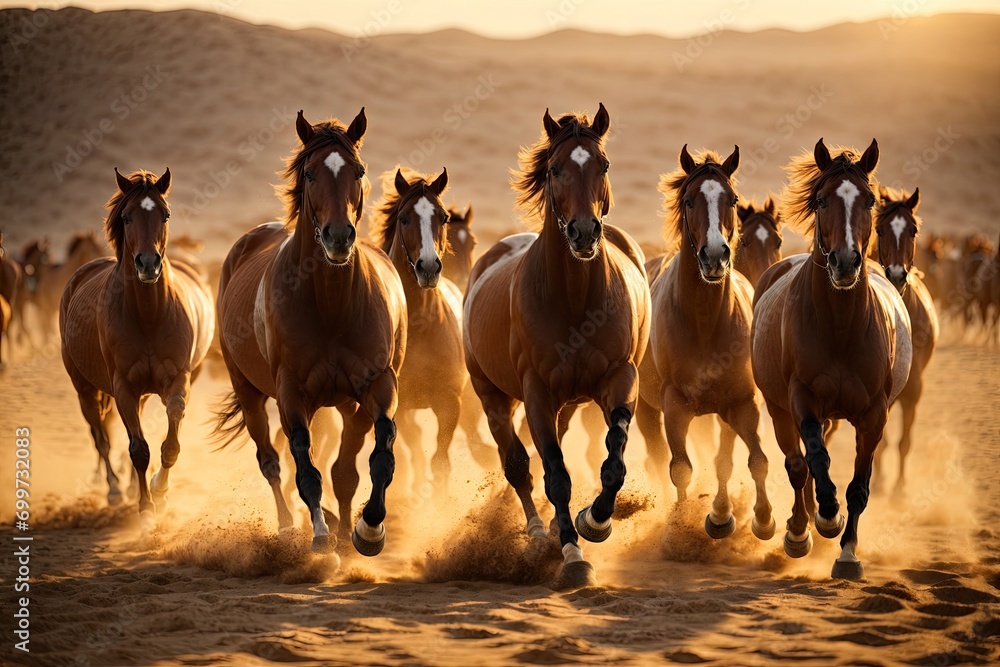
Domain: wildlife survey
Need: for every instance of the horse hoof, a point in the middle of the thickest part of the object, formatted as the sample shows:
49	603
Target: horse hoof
147	521
852	570
368	547
536	529
719	532
576	574
282	530
796	549
588	530
763	533
114	498
324	544
829	528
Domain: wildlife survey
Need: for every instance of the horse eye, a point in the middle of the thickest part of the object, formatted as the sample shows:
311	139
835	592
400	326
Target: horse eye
361	173
445	219
309	175
878	231
125	218
689	203
404	220
821	202
607	166
871	202
554	170
166	216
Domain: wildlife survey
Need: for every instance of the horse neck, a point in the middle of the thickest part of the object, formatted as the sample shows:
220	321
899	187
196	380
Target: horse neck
145	302
706	302
836	310
327	284
569	280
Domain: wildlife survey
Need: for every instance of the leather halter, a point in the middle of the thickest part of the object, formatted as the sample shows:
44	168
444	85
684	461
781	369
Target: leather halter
306	204
404	202
565	133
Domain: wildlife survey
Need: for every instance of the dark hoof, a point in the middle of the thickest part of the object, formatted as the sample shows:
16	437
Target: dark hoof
324	544
366	548
847	569
577	574
829	528
798	549
719	532
587	531
762	532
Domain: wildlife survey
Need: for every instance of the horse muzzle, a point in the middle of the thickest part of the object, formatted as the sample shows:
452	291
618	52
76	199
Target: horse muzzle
845	268
148	267
584	237
713	265
337	244
898	276
428	272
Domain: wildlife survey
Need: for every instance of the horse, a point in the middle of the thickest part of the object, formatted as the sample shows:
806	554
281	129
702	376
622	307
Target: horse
36	263
133	325
558	318
10	288
462	243
760	239
412	228
313	317
698	361
896	229
830	340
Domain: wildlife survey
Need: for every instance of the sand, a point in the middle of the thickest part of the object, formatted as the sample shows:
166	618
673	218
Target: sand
459	583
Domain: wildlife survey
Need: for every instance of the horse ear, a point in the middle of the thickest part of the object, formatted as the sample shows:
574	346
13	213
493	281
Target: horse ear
869	160
770	208
401	185
551	126
914	201
304	128
821	154
687	162
358	127
602	121
440	183
468	216
732	162
743	212
123	183
163	183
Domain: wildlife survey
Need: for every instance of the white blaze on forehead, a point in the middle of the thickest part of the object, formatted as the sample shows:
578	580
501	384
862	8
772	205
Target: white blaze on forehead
580	156
713	190
762	233
848	192
897	225
425	209
461	234
147	204
334	161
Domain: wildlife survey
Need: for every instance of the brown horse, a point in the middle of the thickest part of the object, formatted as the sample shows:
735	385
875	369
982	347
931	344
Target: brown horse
896	228
411	228
698	360
134	325
461	247
829	341
760	239
313	317
10	288
557	319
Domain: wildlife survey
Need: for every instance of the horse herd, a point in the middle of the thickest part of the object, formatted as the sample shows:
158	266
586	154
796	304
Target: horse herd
310	315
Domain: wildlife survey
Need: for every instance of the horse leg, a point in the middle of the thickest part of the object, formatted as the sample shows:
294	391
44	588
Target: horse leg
592	418
720	523
175	398
908	403
447	412
295	420
798	538
469	414
677	416
829	521
128	403
344	471
379	401
650	422
745	420
91	404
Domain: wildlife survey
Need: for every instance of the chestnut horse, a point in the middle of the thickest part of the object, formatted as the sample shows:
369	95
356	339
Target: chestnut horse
133	325
760	239
896	228
830	340
313	317
461	247
411	228
698	360
560	318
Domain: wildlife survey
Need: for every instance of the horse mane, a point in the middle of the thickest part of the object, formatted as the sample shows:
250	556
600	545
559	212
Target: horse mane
804	181
752	209
671	186
327	134
383	225
143	183
528	181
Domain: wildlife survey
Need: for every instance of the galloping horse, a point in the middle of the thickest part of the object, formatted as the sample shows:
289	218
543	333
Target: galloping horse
133	325
560	318
312	317
411	229
830	340
896	228
760	239
461	247
698	360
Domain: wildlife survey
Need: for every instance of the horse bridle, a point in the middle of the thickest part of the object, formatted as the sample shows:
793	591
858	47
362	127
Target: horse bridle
684	216
883	264
306	204
401	206
560	138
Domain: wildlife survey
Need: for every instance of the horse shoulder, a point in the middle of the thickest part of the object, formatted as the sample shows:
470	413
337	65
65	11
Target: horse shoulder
624	242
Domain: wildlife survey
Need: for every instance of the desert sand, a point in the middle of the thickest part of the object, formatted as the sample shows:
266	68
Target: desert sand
214	99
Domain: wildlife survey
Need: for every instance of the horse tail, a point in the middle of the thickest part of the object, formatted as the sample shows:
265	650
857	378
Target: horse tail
230	422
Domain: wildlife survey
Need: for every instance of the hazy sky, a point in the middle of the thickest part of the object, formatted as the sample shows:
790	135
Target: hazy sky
522	18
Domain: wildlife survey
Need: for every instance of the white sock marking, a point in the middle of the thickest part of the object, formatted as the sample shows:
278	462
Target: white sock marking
147	204
580	156
370	533
762	233
319	523
334	161
898	225
712	191
425	209
848	192
571	553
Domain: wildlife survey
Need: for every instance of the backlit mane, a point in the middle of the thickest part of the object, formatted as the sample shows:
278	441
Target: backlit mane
528	181
143	183
383	226
753	209
805	179
671	186
327	134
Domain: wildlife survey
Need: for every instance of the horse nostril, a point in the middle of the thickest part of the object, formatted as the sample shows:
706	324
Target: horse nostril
419	265
352	234
138	262
703	254
726	253
833	260
856	260
439	265
571	231
598	227
157	261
